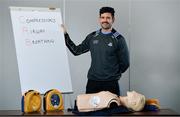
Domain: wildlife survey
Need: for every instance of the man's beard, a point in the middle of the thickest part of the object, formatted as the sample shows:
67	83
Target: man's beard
106	25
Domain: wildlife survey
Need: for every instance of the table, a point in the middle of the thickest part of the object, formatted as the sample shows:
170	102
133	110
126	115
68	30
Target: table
162	112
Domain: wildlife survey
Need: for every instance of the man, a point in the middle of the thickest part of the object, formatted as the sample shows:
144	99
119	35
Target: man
109	54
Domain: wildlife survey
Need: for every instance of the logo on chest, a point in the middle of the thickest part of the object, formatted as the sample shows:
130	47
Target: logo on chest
95	41
110	44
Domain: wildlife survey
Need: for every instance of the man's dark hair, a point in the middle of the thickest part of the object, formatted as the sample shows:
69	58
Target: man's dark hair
107	10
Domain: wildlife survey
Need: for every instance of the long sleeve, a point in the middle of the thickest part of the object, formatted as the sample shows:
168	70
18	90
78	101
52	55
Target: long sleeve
123	55
79	49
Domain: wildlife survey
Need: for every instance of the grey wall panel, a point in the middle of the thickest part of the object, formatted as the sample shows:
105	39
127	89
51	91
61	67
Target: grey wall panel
154	50
1	51
122	25
11	83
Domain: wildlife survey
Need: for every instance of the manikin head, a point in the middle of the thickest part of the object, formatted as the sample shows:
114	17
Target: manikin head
133	101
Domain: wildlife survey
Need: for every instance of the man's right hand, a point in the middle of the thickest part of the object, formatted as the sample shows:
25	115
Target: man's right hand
63	28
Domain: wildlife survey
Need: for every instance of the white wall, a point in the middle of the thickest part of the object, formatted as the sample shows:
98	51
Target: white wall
155	61
151	29
1	52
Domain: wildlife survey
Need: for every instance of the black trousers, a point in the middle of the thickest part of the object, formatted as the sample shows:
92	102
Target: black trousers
97	86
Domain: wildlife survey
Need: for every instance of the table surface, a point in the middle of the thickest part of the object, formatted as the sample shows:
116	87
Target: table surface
167	112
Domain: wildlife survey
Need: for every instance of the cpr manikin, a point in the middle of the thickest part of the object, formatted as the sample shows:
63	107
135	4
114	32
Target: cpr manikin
104	99
133	101
96	101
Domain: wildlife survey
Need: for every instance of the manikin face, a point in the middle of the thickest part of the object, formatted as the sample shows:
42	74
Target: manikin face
106	20
133	100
